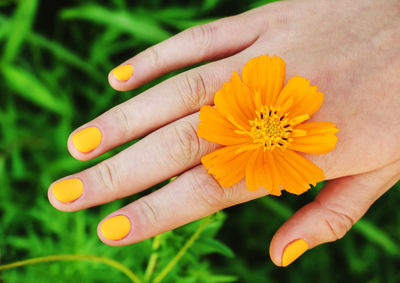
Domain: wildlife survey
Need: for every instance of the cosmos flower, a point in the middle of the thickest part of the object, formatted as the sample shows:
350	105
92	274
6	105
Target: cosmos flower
261	125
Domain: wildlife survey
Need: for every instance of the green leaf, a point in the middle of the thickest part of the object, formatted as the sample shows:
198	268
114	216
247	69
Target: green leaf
65	55
31	88
277	207
377	236
137	24
210	245
222	278
175	12
20	26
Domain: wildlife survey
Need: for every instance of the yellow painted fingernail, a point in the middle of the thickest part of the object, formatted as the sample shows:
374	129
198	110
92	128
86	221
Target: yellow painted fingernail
123	73
68	190
293	251
87	139
116	228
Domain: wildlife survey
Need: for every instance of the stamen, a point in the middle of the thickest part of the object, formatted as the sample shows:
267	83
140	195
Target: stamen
272	129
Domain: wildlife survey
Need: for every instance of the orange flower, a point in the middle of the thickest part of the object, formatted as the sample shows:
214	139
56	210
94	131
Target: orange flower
260	123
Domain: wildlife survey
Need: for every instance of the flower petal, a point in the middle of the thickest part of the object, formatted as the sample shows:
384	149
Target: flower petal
265	75
320	138
266	176
306	98
235	99
318	128
271	169
293	182
215	128
251	171
227	167
312	173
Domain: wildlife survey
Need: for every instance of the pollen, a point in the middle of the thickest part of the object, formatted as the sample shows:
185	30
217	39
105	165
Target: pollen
271	129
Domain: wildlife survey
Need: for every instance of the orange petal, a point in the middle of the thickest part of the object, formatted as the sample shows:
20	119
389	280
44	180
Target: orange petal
251	171
259	169
306	98
209	114
234	172
266	75
226	152
293	182
320	138
215	128
220	137
318	128
311	172
227	167
274	173
233	99
265	178
315	144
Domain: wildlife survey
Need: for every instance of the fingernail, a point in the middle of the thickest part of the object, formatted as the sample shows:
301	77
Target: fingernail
87	139
123	73
116	228
293	251
68	190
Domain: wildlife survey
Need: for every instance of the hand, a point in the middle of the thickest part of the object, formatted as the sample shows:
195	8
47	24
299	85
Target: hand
349	49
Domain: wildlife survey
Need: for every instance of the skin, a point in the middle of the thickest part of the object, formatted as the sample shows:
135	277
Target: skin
348	48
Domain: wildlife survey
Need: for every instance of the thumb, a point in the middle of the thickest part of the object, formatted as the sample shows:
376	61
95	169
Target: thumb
337	207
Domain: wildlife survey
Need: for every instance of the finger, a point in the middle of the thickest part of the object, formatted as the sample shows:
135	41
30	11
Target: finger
338	206
160	156
162	104
193	195
197	44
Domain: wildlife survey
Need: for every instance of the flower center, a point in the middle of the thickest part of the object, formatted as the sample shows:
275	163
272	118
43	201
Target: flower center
271	129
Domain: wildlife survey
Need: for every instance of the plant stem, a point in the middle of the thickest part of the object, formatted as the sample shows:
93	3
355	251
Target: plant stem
153	259
182	251
110	262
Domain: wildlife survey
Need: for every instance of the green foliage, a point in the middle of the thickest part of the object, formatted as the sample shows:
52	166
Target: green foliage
54	61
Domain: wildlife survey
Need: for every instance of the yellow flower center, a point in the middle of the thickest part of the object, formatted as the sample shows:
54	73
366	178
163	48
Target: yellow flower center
271	129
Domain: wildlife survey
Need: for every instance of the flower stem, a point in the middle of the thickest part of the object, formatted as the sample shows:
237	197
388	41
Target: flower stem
110	262
183	250
153	258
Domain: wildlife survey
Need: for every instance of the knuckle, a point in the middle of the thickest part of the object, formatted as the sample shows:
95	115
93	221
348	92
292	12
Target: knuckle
122	120
338	221
275	15
183	143
192	89
208	191
203	36
149	211
107	176
154	57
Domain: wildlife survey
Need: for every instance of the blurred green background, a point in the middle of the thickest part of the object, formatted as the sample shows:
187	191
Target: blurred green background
54	59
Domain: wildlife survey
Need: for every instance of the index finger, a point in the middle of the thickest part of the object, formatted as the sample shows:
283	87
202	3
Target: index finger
200	43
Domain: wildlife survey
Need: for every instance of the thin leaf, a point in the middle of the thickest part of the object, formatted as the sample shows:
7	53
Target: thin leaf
377	236
65	55
138	25
21	25
210	245
29	87
277	207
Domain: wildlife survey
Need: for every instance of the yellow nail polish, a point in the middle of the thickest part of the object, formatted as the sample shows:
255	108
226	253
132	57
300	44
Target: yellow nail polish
68	190
116	228
87	139
123	73
293	251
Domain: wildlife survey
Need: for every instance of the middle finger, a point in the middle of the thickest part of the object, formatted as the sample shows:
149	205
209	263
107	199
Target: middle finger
159	156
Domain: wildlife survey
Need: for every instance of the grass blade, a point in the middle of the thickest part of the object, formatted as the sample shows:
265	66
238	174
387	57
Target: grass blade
136	24
29	87
20	27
